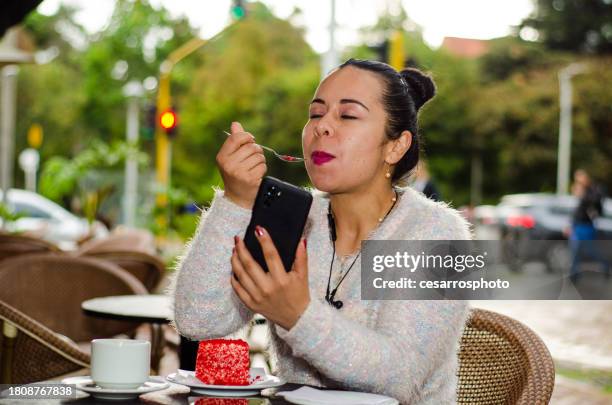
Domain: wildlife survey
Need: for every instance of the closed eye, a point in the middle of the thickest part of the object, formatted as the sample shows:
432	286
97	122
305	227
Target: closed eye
346	117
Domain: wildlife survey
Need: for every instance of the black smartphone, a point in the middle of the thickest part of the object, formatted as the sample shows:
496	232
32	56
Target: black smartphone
282	209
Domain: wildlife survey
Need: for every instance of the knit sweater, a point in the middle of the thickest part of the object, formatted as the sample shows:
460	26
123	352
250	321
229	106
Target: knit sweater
404	349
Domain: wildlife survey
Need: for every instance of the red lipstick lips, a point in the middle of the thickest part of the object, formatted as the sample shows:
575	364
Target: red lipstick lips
319	157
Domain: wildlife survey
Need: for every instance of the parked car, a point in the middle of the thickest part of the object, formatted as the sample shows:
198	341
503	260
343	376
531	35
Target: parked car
48	220
539	216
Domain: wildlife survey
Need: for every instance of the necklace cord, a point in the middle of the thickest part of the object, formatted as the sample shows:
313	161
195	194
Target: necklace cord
332	233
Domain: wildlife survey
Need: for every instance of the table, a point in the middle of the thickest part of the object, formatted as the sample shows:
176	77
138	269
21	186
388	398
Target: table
151	308
155	309
178	394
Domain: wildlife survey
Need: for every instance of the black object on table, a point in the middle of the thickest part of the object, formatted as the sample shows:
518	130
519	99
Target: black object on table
188	351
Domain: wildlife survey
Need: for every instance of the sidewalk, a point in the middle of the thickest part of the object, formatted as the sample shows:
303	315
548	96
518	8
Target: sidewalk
576	332
578	335
571	392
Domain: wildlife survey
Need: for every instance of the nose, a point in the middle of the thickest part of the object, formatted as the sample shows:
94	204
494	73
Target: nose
323	128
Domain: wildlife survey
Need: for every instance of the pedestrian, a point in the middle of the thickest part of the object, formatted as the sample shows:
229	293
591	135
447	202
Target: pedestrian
583	232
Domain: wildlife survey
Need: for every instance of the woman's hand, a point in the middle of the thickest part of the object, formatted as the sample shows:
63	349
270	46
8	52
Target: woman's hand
242	165
279	296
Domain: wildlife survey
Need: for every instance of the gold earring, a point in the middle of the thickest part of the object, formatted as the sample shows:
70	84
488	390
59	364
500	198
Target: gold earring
388	174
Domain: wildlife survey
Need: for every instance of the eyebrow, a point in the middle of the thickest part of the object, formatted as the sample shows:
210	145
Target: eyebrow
343	101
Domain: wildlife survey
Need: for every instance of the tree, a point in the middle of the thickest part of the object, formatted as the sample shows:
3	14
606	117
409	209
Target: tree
521	117
583	26
509	55
261	73
138	38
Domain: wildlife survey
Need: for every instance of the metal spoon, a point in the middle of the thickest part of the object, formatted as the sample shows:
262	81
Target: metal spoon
284	158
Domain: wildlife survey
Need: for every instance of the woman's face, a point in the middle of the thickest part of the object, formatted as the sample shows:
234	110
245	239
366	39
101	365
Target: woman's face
344	138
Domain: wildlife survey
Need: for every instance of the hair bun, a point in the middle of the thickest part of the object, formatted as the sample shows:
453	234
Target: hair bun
422	87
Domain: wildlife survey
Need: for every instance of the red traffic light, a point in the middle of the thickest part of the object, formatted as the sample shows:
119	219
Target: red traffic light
167	120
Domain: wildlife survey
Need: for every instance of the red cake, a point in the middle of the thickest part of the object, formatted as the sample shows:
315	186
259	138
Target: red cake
223	362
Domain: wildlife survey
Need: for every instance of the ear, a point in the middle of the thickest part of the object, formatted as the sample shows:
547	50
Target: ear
398	147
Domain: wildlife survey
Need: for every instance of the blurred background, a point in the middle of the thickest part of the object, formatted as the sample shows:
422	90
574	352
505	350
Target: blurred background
112	113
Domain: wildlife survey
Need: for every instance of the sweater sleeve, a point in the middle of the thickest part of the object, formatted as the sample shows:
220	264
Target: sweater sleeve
205	304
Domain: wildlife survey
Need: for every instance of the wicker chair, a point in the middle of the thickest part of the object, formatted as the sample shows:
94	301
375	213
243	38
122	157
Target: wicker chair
12	245
121	239
131	249
51	288
148	269
31	352
501	361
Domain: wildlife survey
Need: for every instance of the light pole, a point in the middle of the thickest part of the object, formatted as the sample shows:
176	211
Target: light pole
132	91
565	125
329	60
8	111
10	56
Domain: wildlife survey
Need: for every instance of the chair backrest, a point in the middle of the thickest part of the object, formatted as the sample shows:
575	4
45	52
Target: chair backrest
12	245
31	352
50	288
502	361
148	269
121	240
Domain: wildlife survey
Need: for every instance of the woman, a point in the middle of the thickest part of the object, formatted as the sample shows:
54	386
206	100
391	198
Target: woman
360	141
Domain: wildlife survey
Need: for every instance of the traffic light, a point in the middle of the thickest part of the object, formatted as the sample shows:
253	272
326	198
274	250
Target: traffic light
381	50
150	122
168	120
238	9
392	50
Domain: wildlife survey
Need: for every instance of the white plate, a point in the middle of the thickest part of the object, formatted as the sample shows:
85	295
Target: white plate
313	396
189	379
86	384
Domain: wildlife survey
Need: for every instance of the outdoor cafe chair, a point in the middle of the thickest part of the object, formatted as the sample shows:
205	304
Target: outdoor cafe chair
121	239
502	361
31	352
12	245
50	288
148	269
131	249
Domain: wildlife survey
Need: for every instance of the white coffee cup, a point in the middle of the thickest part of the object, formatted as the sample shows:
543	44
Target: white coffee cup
120	363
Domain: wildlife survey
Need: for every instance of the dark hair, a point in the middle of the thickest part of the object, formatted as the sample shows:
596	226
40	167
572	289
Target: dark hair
404	93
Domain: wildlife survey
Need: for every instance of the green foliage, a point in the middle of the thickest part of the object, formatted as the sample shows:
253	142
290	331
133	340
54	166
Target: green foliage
92	201
7	215
60	175
509	55
583	26
261	72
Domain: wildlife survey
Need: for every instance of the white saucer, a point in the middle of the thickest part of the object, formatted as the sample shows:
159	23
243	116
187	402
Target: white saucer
260	380
86	384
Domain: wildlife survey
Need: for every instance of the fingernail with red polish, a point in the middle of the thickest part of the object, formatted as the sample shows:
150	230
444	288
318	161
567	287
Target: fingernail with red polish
306	243
259	231
236	240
